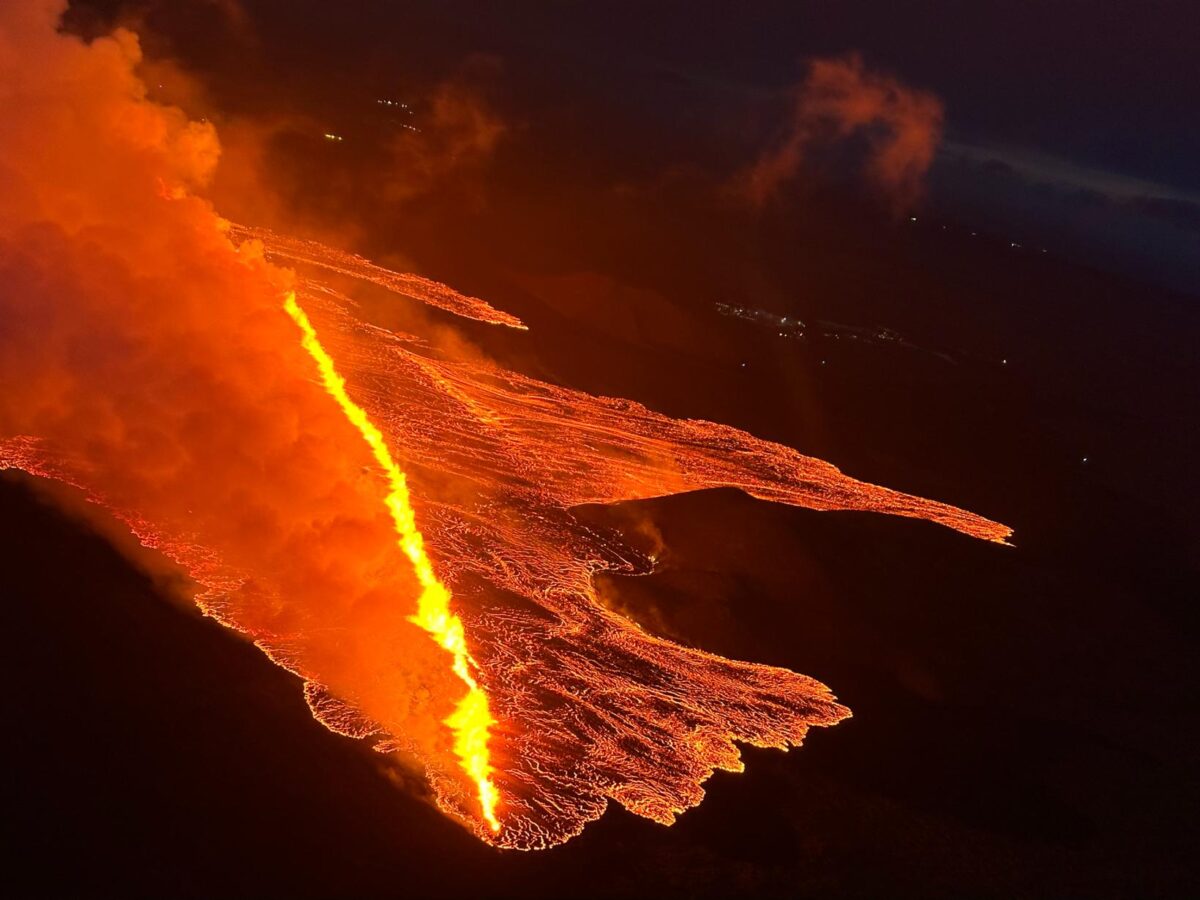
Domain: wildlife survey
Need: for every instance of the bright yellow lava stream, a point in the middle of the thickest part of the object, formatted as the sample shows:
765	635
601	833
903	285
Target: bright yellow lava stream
471	719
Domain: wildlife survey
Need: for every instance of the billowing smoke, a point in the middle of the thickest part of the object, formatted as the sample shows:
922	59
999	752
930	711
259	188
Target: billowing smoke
152	362
842	100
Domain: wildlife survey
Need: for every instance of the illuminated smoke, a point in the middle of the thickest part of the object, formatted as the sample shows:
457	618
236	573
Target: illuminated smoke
841	98
150	362
455	141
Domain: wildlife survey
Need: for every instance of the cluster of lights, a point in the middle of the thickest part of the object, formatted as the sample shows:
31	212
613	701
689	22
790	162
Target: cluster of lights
336	138
396	104
1012	244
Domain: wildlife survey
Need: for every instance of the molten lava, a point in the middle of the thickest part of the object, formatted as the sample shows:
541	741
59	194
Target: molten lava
471	719
286	249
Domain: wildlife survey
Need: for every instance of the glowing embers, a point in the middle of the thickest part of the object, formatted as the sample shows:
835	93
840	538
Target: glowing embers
471	719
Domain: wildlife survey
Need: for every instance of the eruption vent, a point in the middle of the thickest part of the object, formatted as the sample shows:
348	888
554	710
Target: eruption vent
471	719
145	360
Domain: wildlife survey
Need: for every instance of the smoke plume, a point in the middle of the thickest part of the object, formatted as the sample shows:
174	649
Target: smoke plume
151	361
840	100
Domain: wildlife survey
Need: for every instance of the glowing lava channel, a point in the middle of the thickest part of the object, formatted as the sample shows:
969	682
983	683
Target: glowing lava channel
471	719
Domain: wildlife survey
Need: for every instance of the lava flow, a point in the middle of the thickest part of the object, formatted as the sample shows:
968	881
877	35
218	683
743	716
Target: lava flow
471	719
146	361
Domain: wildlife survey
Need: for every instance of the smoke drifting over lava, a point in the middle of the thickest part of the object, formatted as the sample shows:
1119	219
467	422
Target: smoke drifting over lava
147	358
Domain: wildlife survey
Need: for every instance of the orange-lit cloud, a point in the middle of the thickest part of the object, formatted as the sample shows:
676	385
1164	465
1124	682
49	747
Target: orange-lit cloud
841	99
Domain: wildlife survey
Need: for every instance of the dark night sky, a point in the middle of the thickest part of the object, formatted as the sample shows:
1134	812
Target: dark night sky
1073	125
1105	93
1108	85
